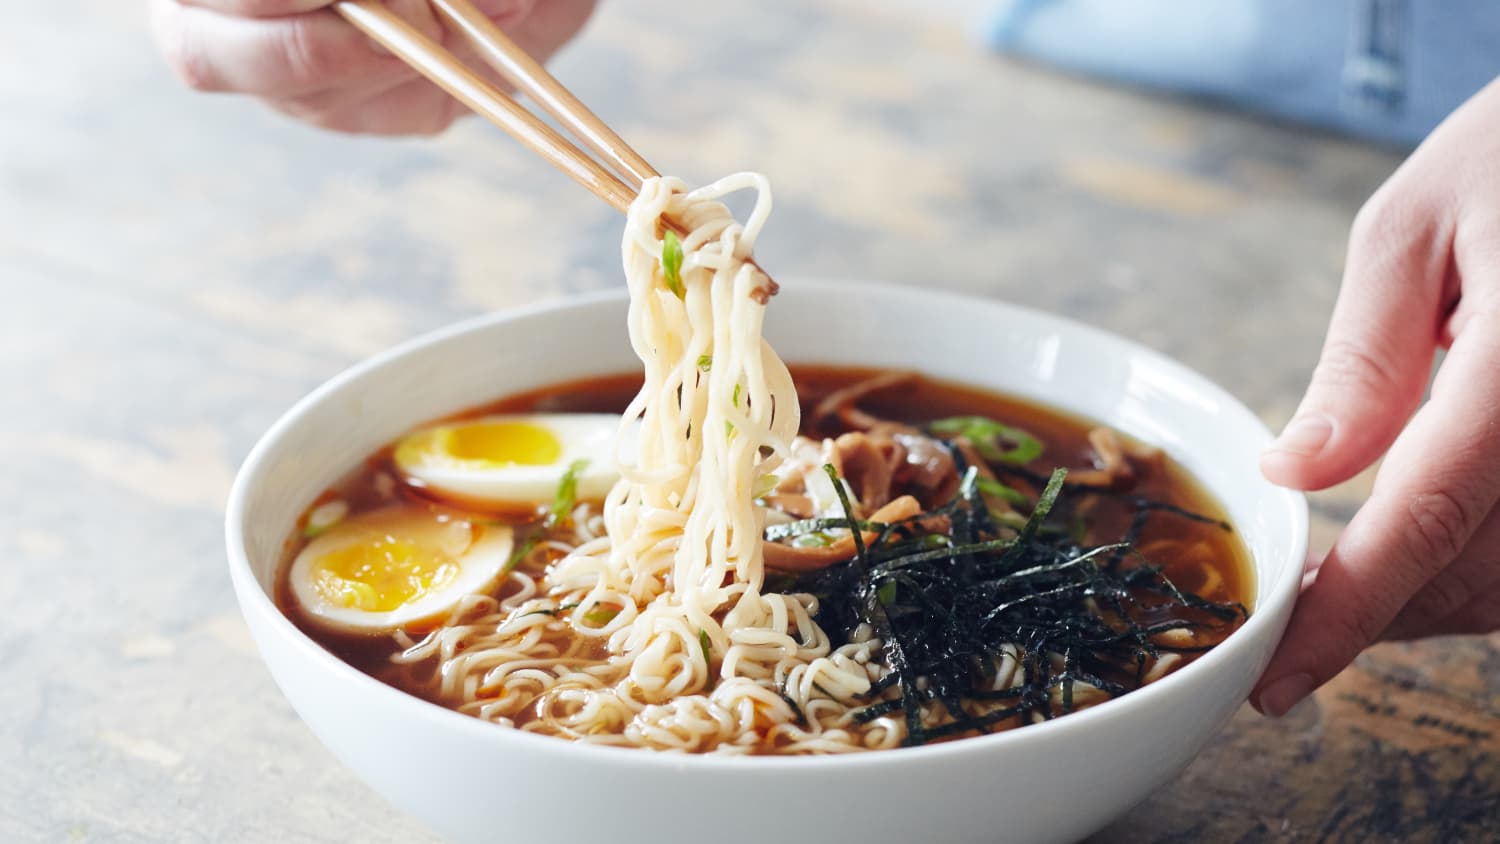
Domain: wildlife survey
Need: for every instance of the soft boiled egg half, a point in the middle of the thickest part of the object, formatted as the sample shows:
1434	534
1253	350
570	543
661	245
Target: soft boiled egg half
512	461
393	568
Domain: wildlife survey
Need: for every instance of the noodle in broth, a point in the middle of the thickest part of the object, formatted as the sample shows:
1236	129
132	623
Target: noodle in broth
648	621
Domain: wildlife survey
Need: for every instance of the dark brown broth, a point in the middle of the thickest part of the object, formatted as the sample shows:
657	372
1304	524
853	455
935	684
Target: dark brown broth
1064	437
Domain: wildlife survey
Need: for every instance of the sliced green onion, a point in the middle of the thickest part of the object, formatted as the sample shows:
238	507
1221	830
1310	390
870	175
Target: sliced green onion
764	486
521	551
562	505
671	263
1010	519
567	493
554	612
705	362
1011	496
986	434
600	615
325	516
886	594
813	540
843	494
707	651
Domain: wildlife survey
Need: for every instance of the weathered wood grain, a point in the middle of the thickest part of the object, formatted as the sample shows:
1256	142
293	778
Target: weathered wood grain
177	269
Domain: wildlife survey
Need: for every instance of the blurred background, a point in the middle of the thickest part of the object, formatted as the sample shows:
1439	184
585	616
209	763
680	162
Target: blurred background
179	268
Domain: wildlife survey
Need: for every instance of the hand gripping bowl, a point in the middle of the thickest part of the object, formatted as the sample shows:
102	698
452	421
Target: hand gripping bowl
1056	781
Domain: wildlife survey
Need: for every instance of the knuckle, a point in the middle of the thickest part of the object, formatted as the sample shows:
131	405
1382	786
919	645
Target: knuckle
1355	630
1395	214
1441	598
1346	365
1377	220
309	59
183	51
1441	525
1460	600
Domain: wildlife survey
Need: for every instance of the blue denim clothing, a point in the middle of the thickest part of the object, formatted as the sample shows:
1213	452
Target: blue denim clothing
1388	70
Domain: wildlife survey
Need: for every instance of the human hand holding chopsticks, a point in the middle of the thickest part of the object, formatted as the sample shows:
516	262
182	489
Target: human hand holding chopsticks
304	60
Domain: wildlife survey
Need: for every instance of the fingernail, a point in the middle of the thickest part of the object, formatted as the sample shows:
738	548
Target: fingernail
1283	694
1305	435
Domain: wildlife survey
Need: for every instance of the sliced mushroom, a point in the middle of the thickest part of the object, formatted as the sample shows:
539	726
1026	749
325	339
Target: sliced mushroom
842	404
791	559
869	464
929	471
1121	466
793	504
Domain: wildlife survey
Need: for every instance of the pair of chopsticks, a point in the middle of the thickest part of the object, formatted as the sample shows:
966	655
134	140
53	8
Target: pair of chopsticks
616	181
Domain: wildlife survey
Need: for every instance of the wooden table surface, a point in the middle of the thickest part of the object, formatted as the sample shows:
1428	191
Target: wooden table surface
177	269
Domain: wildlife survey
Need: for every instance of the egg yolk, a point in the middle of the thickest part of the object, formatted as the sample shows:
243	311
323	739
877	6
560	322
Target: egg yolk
485	443
505	442
382	574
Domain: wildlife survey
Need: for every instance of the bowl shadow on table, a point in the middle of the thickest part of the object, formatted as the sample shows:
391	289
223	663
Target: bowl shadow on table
1230	792
1404	745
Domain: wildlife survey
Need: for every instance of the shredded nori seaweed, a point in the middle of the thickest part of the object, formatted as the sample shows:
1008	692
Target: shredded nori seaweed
948	606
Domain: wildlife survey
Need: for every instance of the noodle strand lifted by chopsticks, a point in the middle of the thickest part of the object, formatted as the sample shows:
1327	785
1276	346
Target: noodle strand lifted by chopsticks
695	655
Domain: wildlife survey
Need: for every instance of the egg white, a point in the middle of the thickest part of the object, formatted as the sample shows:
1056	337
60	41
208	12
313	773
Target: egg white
582	436
480	551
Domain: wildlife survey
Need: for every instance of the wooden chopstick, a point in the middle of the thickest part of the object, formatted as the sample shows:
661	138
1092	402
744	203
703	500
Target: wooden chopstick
391	31
518	68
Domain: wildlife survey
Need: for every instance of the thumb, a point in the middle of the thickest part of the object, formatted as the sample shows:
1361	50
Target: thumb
1378	354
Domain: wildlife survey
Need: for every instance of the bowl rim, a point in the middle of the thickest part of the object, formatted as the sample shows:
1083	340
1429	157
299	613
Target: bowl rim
1274	599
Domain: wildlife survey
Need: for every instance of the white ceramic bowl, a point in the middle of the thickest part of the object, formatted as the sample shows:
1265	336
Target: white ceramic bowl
1057	781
